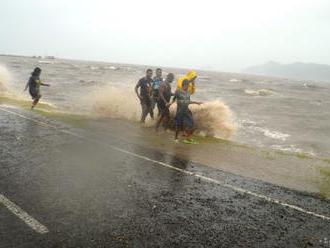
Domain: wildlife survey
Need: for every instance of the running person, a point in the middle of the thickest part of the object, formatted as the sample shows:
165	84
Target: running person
145	90
165	94
34	84
156	82
183	118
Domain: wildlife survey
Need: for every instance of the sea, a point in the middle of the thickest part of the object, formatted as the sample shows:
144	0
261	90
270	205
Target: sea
263	112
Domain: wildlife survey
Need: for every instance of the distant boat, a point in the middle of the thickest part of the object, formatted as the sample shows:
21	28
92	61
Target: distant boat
234	80
49	57
45	62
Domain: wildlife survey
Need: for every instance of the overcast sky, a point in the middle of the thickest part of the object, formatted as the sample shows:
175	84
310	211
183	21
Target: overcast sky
214	34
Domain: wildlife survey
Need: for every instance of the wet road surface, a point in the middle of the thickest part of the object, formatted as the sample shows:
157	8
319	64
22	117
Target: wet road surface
90	190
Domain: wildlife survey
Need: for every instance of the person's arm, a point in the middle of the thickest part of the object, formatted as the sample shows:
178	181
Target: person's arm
174	98
150	88
161	93
136	90
43	84
194	102
192	87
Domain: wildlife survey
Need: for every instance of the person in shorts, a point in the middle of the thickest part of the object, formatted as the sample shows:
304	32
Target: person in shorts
34	84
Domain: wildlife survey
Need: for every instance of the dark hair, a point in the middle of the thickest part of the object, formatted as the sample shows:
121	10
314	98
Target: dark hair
148	70
158	69
36	71
185	82
170	75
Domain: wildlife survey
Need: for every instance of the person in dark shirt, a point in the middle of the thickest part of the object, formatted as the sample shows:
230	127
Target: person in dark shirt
34	84
165	94
144	85
156	82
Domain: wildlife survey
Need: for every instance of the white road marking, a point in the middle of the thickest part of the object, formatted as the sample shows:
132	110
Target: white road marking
204	178
24	216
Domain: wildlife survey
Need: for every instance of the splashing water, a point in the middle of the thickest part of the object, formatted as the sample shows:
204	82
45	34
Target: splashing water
4	79
211	118
115	103
13	96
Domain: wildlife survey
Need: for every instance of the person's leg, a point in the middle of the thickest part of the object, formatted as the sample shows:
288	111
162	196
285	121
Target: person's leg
159	107
35	101
189	133
151	113
177	131
144	112
149	108
153	103
159	122
163	112
189	125
178	126
166	118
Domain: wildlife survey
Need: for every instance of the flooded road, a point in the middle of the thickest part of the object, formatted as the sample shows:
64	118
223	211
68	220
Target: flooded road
111	189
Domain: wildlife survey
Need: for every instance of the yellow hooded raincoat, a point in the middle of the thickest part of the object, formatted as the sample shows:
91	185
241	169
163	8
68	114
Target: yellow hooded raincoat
190	75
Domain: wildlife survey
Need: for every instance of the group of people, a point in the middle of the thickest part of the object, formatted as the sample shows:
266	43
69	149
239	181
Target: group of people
155	91
152	92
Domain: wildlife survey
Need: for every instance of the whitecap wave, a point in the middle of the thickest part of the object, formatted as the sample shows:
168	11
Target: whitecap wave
272	134
260	92
4	79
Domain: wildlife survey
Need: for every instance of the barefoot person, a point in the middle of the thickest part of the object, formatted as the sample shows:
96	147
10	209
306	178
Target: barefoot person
165	94
34	84
183	118
144	85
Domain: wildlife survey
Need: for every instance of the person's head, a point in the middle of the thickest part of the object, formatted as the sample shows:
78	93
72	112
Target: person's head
170	77
191	76
36	71
185	84
158	72
148	73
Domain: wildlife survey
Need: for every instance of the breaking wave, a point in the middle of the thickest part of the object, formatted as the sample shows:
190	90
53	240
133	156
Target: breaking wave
261	92
211	118
115	103
272	134
4	79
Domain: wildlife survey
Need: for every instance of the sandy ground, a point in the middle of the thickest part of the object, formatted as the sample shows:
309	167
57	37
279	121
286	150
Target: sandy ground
94	187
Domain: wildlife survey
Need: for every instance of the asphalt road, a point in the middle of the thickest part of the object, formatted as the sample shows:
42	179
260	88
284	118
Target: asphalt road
62	186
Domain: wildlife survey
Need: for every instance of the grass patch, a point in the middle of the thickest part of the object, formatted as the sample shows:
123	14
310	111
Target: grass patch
76	120
327	160
44	109
24	103
210	140
269	155
300	155
227	143
324	184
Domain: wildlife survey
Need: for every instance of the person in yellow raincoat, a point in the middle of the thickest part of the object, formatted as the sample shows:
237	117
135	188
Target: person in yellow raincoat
191	77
